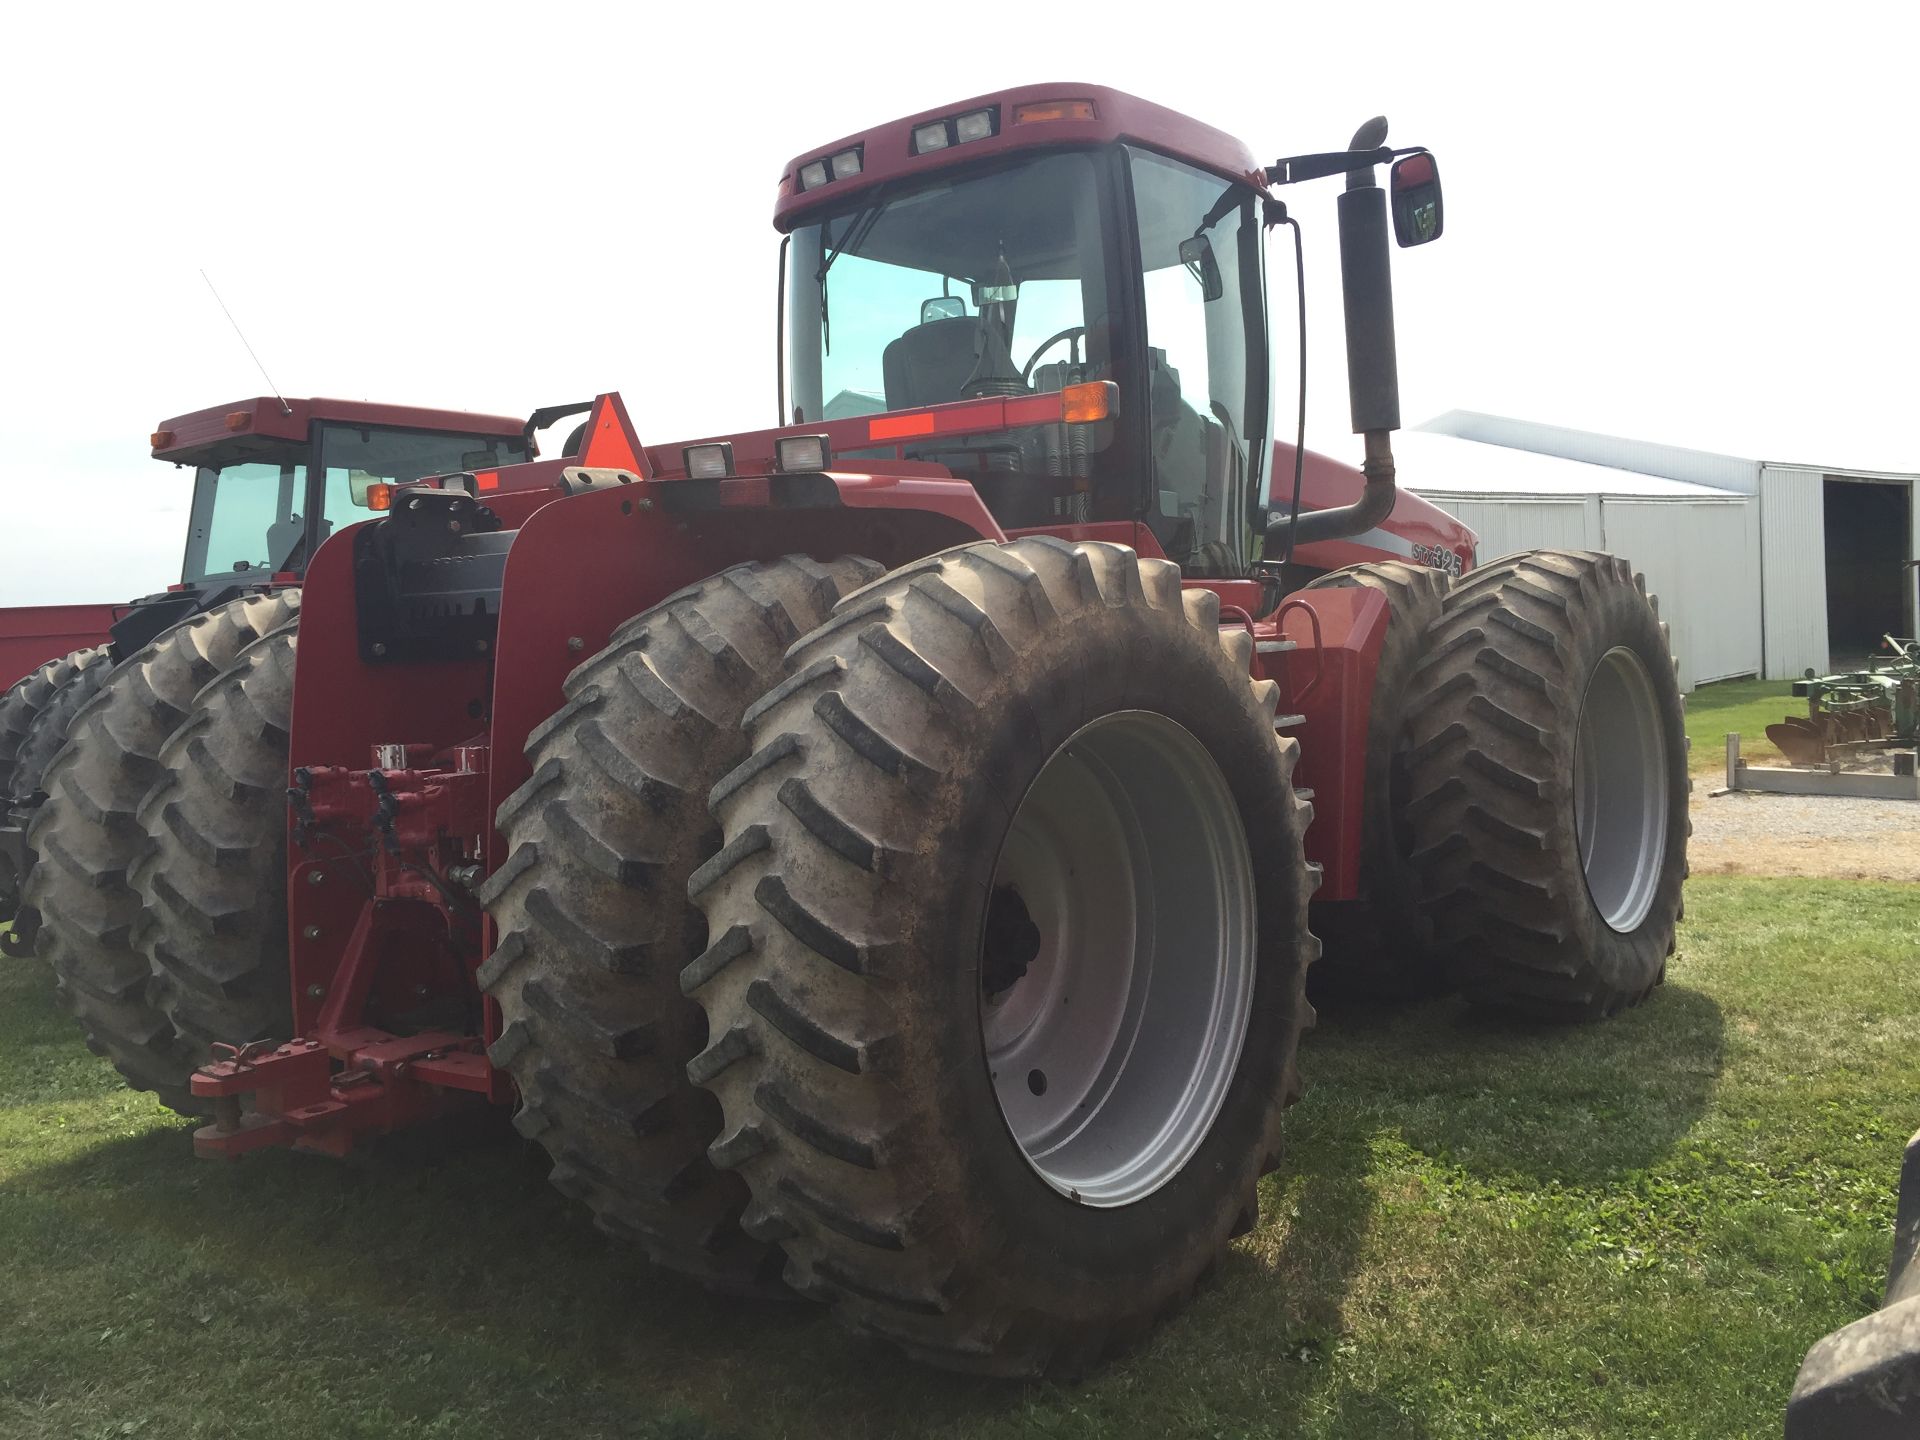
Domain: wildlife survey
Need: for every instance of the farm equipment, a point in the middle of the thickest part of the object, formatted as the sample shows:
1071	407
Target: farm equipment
1857	713
262	467
1862	1382
1857	738
876	854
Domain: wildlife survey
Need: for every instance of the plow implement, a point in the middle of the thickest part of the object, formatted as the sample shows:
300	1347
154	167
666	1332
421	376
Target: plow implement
1854	721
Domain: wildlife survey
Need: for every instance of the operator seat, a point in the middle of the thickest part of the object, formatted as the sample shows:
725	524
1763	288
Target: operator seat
929	363
282	536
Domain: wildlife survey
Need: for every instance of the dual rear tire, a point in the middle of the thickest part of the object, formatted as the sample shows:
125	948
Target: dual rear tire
1547	786
895	1056
90	835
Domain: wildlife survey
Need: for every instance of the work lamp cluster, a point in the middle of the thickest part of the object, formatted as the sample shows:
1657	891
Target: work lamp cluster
842	166
792	455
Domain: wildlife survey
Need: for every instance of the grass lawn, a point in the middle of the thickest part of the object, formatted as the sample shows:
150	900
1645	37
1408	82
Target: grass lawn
1743	706
1633	1229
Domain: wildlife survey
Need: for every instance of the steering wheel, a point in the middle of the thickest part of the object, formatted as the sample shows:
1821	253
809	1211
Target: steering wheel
1026	372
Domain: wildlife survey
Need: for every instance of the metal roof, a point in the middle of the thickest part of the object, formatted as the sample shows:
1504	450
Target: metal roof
1433	464
1738	467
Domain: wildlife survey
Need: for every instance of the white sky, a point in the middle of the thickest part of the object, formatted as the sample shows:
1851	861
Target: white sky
1688	223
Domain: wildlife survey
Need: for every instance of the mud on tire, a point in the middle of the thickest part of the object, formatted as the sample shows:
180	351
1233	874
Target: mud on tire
213	880
594	920
1381	945
1548	784
88	835
850	912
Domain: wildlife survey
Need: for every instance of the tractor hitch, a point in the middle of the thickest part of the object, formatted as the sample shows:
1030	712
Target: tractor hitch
383	1003
384	1082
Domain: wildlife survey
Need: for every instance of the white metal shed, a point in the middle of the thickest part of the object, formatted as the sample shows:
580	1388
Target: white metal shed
1697	545
1834	543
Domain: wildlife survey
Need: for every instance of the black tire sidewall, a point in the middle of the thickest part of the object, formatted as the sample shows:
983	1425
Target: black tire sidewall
1077	675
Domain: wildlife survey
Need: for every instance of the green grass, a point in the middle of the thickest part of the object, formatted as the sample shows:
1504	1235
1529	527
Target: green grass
1745	707
1633	1229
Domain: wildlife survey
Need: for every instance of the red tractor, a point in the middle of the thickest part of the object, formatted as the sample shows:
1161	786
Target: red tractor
262	469
878	854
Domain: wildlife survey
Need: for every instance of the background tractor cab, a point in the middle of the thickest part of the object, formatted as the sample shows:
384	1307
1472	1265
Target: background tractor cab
273	478
1014	247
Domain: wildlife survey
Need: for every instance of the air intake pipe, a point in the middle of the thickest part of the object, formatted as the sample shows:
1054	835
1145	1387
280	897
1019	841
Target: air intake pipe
1373	372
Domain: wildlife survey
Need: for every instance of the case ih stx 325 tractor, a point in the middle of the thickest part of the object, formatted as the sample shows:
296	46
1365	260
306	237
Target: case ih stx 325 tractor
262	469
877	852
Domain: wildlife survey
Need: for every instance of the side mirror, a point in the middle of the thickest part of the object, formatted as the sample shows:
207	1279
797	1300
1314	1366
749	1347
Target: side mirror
1196	253
1417	213
359	482
942	307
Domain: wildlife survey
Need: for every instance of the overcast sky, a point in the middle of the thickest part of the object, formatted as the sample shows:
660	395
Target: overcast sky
1692	224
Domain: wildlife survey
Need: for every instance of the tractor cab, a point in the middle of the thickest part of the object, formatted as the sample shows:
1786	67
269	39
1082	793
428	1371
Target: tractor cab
273	479
1030	243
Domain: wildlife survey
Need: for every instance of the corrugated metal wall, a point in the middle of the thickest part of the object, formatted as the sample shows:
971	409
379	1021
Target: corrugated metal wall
1793	579
1504	526
1703	560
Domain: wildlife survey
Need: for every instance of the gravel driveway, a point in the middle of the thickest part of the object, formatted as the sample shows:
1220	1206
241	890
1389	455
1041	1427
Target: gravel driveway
1828	835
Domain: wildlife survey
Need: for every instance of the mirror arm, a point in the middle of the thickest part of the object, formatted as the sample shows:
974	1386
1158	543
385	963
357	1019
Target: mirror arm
1296	168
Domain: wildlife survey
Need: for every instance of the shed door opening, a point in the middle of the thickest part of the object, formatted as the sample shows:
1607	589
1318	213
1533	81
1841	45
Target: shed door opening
1869	529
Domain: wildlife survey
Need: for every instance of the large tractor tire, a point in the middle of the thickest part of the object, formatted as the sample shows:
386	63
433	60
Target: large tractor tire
88	835
213	880
1548	786
34	716
594	922
1380	946
1009	941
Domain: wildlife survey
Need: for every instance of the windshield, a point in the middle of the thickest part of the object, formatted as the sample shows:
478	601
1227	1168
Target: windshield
984	285
251	514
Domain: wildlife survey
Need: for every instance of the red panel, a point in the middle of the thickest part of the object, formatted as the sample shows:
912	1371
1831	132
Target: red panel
31	635
342	708
1328	680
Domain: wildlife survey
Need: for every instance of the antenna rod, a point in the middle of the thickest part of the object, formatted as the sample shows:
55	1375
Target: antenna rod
285	409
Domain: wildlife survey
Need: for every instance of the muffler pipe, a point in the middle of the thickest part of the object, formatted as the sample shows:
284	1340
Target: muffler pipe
1373	370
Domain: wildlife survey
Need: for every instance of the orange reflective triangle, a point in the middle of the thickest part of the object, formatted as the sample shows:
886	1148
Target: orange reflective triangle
611	443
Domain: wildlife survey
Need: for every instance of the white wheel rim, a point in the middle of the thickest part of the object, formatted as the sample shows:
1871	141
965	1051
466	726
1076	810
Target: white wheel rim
1620	789
1113	1050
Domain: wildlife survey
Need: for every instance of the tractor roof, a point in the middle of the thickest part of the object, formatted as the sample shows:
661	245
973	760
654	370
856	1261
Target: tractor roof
1024	118
264	417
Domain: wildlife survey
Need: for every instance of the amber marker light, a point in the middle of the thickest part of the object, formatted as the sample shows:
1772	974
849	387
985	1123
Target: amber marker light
160	439
239	419
380	497
487	479
1038	110
1084	404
